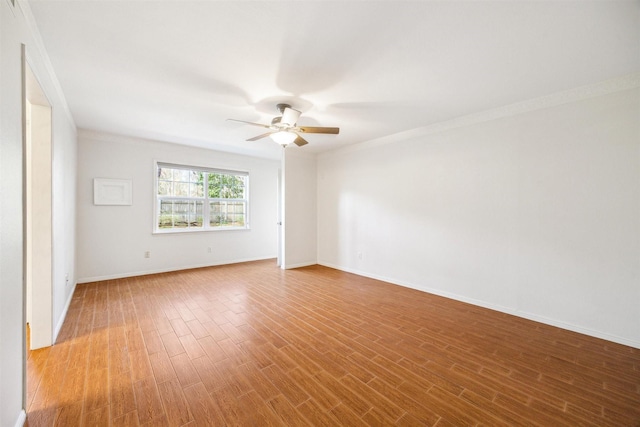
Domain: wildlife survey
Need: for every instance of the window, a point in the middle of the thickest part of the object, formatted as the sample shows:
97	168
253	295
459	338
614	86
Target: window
191	198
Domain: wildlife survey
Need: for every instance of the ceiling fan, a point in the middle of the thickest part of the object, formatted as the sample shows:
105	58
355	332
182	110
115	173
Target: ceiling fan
284	129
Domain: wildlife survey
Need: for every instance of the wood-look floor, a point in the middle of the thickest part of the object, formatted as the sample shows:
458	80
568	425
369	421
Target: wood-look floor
250	344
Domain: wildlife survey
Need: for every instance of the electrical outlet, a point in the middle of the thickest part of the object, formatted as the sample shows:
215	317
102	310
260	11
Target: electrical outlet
209	250
360	255
147	254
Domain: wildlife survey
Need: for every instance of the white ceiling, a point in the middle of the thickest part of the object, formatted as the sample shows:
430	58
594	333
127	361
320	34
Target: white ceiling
175	70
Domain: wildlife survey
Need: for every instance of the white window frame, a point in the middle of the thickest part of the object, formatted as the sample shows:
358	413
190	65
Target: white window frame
206	199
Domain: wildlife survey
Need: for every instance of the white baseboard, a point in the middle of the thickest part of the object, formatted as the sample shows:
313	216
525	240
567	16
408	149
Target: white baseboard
502	309
63	315
166	270
298	265
22	417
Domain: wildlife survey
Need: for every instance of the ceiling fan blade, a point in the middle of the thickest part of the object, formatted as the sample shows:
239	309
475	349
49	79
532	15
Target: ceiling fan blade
316	129
250	123
264	135
300	141
290	116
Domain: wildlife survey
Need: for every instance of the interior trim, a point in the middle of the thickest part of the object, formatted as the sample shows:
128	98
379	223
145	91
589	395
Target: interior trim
626	82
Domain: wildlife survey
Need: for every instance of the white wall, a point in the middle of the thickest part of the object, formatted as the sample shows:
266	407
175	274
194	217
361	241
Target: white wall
16	28
300	212
112	240
536	214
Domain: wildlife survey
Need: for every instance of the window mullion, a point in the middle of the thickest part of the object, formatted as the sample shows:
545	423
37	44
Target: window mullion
206	208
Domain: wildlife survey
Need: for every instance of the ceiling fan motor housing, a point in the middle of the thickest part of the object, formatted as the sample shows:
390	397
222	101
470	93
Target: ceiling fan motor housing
281	107
289	115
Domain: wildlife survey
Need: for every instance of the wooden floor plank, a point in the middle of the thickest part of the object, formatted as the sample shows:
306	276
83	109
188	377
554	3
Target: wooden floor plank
251	344
148	400
175	404
70	415
205	412
122	399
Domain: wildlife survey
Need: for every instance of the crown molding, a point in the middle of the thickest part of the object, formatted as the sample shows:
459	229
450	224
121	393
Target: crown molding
626	82
90	135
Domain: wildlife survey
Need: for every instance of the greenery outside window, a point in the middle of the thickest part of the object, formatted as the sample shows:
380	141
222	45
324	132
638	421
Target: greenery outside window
192	198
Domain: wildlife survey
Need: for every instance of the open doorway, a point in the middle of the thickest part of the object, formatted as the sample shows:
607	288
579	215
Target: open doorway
38	248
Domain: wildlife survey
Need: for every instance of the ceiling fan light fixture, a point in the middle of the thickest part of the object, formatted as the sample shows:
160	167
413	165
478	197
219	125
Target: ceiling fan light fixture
284	137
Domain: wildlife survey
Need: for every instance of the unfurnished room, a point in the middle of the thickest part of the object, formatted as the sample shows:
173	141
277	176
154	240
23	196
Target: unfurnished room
318	213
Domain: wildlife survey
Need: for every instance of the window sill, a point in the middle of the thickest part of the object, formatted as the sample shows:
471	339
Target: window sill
200	230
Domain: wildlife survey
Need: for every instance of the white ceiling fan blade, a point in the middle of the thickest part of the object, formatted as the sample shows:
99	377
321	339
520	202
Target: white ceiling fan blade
255	138
250	123
290	116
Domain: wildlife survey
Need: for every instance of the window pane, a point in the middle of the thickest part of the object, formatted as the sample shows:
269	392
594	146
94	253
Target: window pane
165	173
180	214
227	214
225	186
215	214
181	175
197	190
181	189
214	185
235	214
165	188
195	214
240	188
166	218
